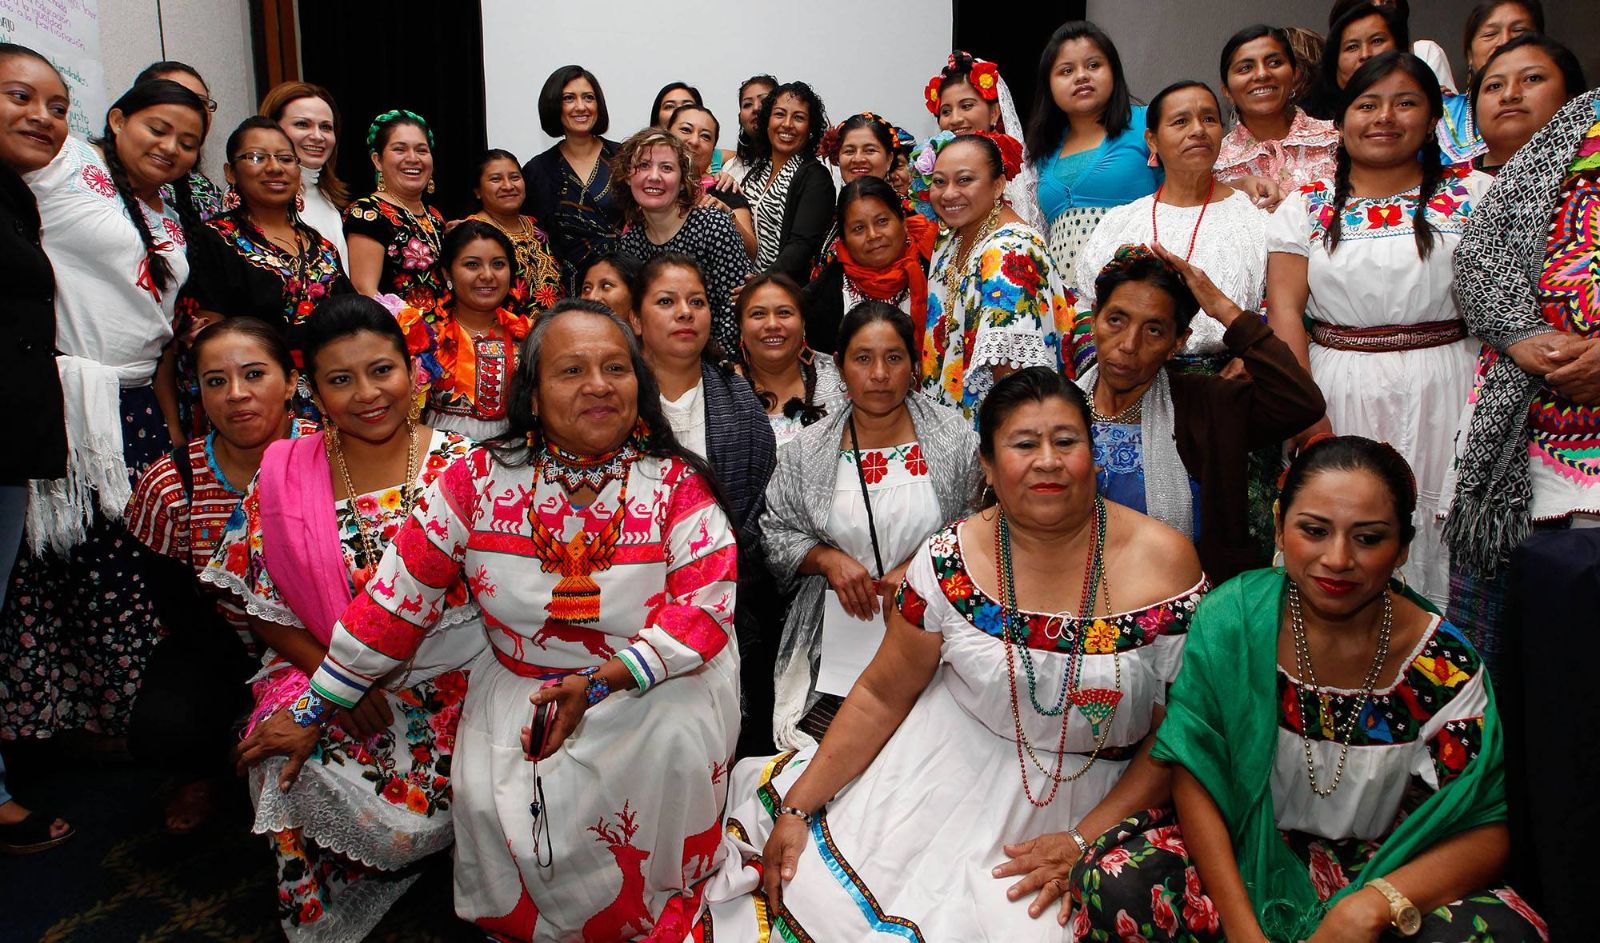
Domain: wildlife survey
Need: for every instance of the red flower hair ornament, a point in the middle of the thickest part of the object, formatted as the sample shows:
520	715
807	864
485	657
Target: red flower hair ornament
983	76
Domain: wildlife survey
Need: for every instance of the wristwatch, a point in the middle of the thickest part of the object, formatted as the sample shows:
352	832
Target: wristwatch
1403	914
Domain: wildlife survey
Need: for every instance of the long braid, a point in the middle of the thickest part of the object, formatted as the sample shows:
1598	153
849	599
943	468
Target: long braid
160	268
1341	193
811	412
1432	174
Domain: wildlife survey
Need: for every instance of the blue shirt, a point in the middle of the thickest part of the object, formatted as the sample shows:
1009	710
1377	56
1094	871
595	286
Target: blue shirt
1119	172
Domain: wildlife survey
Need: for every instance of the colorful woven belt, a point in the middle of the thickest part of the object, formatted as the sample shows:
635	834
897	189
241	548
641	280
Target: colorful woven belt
1379	340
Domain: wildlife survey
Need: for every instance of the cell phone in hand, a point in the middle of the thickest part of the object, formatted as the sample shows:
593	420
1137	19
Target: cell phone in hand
544	719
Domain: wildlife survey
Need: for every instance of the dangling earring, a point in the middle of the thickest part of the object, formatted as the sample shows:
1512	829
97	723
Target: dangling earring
1400	575
299	202
1277	560
431	187
230	199
380	181
415	413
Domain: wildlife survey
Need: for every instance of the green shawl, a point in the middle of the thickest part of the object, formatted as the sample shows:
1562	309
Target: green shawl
1222	726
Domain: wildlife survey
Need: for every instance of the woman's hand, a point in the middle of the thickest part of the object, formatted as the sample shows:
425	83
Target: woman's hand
890	584
571	702
1579	379
780	856
1545	353
1046	865
278	735
1264	193
370	716
1359	917
855	586
1212	300
1320	427
726	181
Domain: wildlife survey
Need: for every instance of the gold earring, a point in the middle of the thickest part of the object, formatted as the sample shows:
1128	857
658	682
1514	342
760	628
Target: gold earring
380	181
431	187
415	413
1400	574
1277	560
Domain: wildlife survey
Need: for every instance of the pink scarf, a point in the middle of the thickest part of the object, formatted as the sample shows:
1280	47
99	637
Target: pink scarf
300	534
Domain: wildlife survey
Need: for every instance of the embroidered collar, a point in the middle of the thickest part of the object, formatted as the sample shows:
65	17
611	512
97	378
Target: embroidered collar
574	472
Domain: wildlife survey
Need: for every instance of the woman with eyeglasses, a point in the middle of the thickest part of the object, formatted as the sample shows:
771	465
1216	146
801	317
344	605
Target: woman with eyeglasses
259	258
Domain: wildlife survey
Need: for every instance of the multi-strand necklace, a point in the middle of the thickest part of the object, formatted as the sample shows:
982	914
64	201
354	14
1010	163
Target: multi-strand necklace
408	493
1097	705
1308	678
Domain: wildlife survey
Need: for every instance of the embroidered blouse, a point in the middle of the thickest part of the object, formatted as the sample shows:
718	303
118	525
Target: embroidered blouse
235	270
410	244
1304	155
466	379
537	286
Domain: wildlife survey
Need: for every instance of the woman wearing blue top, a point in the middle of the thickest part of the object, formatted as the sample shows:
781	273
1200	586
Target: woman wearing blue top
1085	139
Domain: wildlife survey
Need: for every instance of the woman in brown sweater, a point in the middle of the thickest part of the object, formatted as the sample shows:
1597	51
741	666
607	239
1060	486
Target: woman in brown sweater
1176	446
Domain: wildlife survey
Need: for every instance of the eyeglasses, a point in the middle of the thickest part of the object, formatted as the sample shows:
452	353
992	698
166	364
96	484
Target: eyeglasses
257	158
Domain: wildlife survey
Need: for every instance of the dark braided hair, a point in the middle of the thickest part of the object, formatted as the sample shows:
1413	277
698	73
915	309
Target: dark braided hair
136	99
1373	70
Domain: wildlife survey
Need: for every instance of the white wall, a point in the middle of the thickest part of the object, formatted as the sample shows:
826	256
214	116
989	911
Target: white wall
211	35
859	56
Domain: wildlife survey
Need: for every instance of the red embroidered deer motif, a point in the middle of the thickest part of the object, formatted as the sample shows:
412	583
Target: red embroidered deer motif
410	604
480	583
506	516
628	916
436	527
591	639
699	850
380	588
700	542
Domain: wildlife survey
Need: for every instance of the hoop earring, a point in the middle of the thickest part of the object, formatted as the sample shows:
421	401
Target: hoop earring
1400	576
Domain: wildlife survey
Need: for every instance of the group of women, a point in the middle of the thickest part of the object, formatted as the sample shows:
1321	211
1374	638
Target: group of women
535	532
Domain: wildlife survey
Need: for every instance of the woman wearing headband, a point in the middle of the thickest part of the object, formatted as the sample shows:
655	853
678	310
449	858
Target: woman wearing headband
393	236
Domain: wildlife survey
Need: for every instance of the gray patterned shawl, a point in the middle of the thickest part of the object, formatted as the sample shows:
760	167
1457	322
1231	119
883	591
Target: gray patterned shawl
799	499
1497	267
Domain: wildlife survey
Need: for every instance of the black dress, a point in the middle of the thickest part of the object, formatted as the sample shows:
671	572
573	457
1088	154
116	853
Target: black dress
581	216
28	379
236	271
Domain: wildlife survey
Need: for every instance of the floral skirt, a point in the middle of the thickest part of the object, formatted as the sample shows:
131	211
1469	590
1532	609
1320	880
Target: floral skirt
77	628
361	813
1138	883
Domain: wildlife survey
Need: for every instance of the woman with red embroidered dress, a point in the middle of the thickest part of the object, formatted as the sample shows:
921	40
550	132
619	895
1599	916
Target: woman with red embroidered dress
467	344
604	562
1366	257
1009	702
375	798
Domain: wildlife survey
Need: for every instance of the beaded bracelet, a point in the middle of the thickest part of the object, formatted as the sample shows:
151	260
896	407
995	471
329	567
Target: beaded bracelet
596	688
791	810
310	710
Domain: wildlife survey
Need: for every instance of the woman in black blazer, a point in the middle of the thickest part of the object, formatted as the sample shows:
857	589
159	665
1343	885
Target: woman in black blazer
569	185
790	191
33	126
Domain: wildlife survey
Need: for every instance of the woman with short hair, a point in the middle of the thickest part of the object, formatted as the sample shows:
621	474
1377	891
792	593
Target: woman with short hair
569	185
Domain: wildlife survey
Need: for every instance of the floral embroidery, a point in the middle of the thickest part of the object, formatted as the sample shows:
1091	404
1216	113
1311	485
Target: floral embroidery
97	179
459	374
305	282
1364	218
411	248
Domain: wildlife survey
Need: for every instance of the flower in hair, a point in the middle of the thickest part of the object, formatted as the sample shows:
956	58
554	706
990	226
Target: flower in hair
1010	152
931	93
828	147
985	77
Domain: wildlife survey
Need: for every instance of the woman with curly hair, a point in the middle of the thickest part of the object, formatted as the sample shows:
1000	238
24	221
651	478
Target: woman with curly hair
791	193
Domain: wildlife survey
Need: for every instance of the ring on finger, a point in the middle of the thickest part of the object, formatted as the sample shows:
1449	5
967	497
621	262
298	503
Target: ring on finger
1056	882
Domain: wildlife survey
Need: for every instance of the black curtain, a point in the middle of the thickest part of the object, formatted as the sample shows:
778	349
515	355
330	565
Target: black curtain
427	58
1012	41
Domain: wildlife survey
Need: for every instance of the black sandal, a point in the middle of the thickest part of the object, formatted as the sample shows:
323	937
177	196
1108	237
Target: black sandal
32	834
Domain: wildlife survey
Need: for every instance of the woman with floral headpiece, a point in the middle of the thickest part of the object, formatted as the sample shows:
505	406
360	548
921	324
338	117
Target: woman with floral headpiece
393	236
969	95
995	303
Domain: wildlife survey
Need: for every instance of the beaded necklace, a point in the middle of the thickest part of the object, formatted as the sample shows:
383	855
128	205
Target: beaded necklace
574	472
1097	705
1155	201
1308	675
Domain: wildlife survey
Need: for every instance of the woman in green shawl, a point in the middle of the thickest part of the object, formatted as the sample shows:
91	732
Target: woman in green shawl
1337	751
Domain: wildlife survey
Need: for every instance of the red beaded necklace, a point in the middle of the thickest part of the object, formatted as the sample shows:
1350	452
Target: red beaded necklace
1155	232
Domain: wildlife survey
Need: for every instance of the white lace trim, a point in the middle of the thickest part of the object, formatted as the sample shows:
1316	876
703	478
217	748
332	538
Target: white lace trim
344	816
354	910
254	604
1001	348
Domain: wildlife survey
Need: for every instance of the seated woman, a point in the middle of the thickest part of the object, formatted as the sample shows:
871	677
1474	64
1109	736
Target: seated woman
714	414
1516	93
375	797
501	192
610	281
947	749
1274	138
861	145
258	258
790	192
968	96
1338	766
660	198
466	345
881	255
794	385
1177	445
604	563
855	499
1212	225
180	507
995	303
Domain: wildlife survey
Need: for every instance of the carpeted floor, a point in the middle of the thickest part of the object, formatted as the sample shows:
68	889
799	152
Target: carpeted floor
122	877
